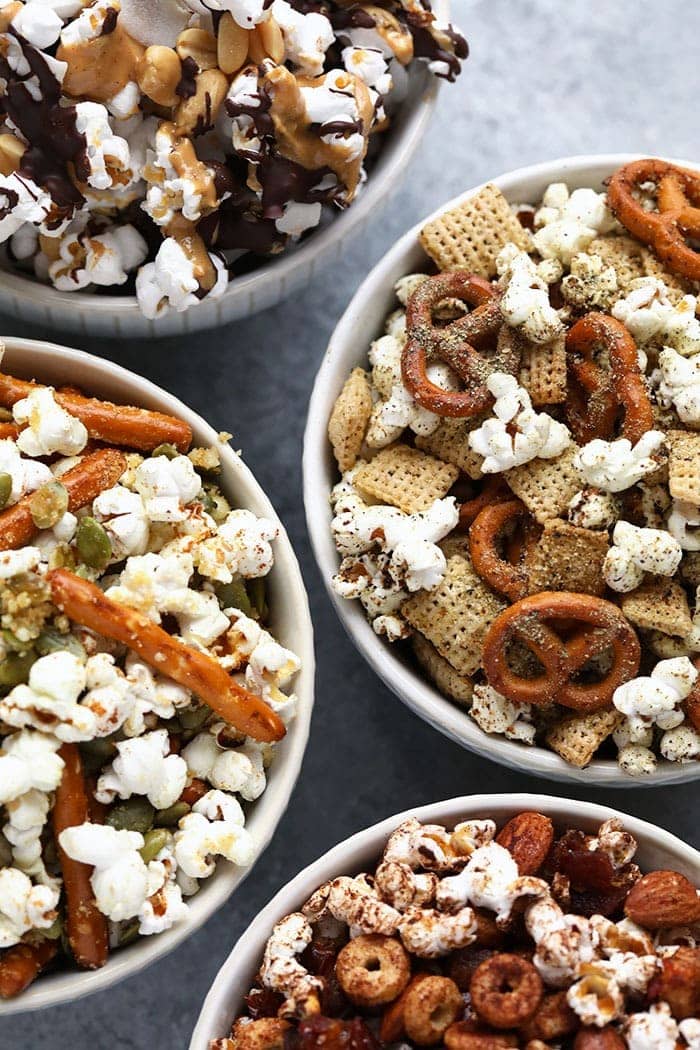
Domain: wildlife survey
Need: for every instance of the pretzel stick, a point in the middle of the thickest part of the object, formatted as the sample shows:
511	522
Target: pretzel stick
114	424
9	430
87	927
85	604
22	964
84	482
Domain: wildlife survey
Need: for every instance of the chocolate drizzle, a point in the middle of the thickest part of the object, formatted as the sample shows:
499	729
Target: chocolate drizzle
49	128
426	46
354	17
188	81
110	22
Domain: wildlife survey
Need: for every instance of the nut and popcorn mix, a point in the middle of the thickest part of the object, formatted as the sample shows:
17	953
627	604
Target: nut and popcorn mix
160	146
519	458
529	936
141	695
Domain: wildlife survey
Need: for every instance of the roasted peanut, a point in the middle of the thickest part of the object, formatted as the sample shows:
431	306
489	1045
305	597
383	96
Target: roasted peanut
266	41
158	74
199	45
197	114
231	44
11	152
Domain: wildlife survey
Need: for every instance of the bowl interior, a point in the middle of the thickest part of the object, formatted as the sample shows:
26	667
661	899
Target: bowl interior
290	623
362	322
657	849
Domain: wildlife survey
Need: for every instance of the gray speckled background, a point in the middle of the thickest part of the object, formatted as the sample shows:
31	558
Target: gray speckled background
546	78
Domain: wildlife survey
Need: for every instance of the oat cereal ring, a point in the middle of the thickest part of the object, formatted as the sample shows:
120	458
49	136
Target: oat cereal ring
506	990
593	406
678	216
266	1033
601	626
484	535
373	970
464	1035
454	344
430	1007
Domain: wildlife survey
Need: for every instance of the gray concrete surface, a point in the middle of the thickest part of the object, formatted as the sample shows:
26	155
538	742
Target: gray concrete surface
546	78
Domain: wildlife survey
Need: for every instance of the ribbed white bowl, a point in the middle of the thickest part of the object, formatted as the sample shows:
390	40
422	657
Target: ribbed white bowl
657	849
272	282
291	624
362	322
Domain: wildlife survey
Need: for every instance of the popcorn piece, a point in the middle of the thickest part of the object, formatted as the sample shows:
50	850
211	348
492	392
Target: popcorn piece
199	840
564	942
567	223
120	877
28	761
591	285
678	384
24	907
307	37
431	847
355	902
125	520
150	693
652	1028
621	847
238	770
615	465
681	744
281	970
166	486
593	509
240	547
596	997
656	700
636	551
652	318
27	817
489	880
102	260
525	302
429	933
518	434
683	525
50	428
144	766
27	475
106	154
22	201
49	702
397	410
169	282
495	714
19	562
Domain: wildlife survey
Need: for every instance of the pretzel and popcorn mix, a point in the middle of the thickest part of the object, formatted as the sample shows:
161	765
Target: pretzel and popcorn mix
141	695
161	148
529	936
519	496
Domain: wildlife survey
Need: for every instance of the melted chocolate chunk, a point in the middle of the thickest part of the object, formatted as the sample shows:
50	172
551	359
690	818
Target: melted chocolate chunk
110	22
259	114
425	46
354	17
188	86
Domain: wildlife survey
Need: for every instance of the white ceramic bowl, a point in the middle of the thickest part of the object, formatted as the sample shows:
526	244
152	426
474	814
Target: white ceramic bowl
272	282
362	322
657	849
291	624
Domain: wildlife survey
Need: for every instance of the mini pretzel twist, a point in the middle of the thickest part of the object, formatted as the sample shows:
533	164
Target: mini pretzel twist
455	344
484	534
598	625
495	490
677	217
22	964
595	394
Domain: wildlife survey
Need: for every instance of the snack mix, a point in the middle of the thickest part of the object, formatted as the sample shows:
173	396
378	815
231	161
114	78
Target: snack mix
473	939
520	461
164	146
140	692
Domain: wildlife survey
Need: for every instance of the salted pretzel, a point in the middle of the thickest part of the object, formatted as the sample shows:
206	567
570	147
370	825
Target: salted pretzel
85	604
495	490
84	482
123	425
676	219
592	626
596	392
484	534
22	963
456	344
86	926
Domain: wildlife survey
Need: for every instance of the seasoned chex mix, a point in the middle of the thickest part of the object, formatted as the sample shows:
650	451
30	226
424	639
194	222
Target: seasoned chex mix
525	505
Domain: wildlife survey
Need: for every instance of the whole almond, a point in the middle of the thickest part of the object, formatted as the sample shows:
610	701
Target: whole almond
662	899
599	1039
678	983
528	838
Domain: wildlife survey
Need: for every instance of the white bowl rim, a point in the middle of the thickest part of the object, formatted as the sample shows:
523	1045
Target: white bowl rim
267	812
409	684
277	271
339	860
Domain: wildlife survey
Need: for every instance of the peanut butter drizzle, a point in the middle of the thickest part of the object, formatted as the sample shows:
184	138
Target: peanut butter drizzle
7	14
295	139
393	33
99	69
185	233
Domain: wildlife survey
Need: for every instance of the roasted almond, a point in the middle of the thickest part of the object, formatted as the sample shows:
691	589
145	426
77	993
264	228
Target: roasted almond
465	1035
662	899
528	838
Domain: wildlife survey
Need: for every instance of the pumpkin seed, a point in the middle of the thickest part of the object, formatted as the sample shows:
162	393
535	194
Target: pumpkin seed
14	669
54	642
134	814
166	449
93	544
168	818
5	489
257	594
234	595
154	841
48	504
